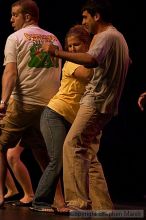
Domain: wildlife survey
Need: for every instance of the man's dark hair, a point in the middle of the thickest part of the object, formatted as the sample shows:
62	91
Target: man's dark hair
28	7
103	7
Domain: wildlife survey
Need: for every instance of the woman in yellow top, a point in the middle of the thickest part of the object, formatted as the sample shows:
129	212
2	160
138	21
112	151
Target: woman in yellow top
58	116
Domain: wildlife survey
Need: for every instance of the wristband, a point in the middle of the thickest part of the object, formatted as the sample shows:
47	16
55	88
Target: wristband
2	102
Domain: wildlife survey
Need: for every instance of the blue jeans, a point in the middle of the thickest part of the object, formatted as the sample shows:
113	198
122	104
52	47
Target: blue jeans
54	129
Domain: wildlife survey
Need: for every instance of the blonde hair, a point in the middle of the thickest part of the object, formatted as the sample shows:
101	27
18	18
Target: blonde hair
80	32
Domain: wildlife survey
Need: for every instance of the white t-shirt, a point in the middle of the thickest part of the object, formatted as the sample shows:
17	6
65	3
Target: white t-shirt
38	74
104	90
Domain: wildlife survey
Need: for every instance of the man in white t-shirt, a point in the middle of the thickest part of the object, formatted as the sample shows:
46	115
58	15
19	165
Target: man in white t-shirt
30	75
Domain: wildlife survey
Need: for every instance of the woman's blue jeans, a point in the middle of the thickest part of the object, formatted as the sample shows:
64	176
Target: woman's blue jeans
54	129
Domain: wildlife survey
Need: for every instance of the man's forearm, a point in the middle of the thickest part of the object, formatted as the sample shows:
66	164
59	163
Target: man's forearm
8	84
79	58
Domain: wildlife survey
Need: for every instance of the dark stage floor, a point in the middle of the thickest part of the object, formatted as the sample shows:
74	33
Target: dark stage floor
125	211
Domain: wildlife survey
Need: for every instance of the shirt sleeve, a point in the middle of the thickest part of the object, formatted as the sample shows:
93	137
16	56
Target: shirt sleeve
70	67
99	48
10	50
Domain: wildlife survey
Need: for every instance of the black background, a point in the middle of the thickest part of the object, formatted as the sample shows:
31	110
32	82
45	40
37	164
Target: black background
122	151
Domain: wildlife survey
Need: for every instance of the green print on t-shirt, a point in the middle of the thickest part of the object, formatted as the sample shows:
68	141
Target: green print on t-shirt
40	59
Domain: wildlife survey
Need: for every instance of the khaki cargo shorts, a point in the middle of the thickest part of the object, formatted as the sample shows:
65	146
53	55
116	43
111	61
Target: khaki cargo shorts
21	124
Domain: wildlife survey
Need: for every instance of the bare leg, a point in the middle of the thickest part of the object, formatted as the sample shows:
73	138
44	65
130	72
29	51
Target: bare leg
10	185
3	170
21	173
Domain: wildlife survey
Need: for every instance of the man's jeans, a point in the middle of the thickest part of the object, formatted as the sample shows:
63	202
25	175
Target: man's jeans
54	129
84	182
